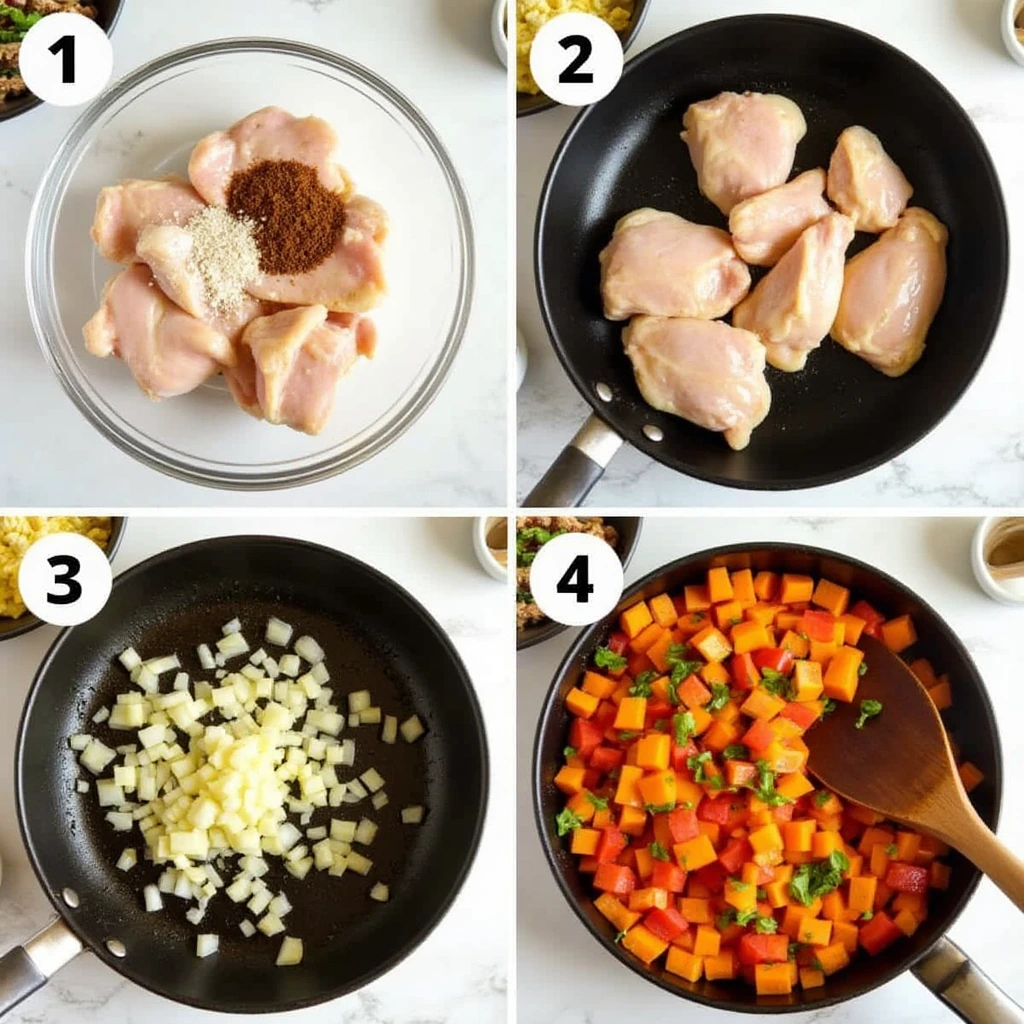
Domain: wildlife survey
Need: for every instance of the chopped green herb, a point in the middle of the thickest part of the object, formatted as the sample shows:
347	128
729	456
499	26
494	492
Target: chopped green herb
725	919
818	878
626	734
776	683
868	709
600	802
659	808
862	668
719	697
661	725
735	752
765	788
735	620
619	936
867	915
766	925
746	916
683	726
892	849
658	852
822	797
643	682
696	765
640	690
828	707
718	783
738	884
570	752
817	964
604	658
761	894
524	597
567	821
680	669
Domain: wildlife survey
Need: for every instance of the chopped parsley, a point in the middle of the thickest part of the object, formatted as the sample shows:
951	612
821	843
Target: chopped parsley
626	734
725	919
696	765
619	936
600	802
868	709
828	707
567	821
658	852
659	808
816	879
776	683
719	697
766	925
862	668
892	849
605	658
642	684
867	915
680	669
822	797
735	752
661	725
738	884
683	726
570	752
817	964
765	788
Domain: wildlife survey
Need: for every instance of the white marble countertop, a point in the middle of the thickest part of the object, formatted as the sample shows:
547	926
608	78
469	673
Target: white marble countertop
976	455
441	56
565	978
450	978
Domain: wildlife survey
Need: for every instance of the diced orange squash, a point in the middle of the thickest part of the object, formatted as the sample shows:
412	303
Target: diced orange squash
696	598
631	714
584	841
907	845
648	899
740	895
872	837
795	588
847	934
707	941
728	614
773	979
763	614
824	843
696	910
658	788
810	977
798	856
899	634
841	677
777	894
831	596
598	685
663	609
938	875
620	917
766	838
922	668
688	791
853	627
684	964
646	638
632	820
605	818
789	622
654	751
743	587
622	690
580	704
715	672
807	681
862	893
719	584
822	652
636	618
915	902
762	705
833	958
833	905
878	862
722	734
712	830
643	944
626	792
906	922
794	915
693	693
712	644
797	645
750	636
815	931
695	853
570	780
720	967
766	586
941	695
797	835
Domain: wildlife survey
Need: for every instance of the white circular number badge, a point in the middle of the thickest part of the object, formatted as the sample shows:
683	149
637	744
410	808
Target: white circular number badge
576	579
66	59
64	579
576	59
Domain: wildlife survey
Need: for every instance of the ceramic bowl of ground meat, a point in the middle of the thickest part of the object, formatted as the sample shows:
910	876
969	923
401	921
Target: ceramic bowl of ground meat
532	532
15	99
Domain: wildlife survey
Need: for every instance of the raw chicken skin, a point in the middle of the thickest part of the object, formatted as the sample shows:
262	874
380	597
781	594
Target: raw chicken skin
167	250
123	210
290	363
765	227
267	134
892	291
169	352
742	145
351	279
865	182
702	370
660	264
793	306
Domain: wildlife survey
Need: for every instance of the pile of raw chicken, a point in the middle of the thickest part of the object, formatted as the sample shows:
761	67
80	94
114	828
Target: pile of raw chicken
291	338
673	279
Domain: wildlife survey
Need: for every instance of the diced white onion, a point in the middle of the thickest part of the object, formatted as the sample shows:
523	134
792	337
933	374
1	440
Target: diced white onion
207	944
247	928
128	859
411	729
152	898
290	952
129	658
380	893
234	626
306	647
278	633
101	716
390	731
412	815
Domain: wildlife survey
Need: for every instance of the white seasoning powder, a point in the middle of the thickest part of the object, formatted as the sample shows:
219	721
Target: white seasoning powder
225	254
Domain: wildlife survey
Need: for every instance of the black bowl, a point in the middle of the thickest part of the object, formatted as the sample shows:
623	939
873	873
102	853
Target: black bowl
527	104
970	722
10	628
108	11
629	536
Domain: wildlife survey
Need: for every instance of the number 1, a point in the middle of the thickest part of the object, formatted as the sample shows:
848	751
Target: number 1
66	47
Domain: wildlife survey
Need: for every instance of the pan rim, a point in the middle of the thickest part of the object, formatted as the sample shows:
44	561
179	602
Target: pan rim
591	632
396	590
790	483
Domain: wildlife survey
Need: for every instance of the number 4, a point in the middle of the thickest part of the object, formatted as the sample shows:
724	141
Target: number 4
579	568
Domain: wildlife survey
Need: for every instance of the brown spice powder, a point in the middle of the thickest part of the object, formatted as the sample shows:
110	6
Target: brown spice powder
296	220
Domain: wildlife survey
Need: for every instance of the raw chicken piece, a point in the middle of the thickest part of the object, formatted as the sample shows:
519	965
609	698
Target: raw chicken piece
793	306
765	227
865	183
169	352
123	210
167	251
663	265
742	145
267	134
892	292
702	370
351	279
290	363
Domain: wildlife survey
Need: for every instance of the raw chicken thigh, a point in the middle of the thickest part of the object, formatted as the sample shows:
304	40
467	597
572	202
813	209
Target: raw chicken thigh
663	265
793	306
702	370
290	364
865	183
351	279
892	292
167	250
123	210
765	227
742	145
267	134
169	352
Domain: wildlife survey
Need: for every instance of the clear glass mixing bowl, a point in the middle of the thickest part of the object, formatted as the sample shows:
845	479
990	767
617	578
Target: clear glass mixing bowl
145	127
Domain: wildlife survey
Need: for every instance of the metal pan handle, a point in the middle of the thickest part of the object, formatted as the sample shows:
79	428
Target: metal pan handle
27	968
966	989
579	466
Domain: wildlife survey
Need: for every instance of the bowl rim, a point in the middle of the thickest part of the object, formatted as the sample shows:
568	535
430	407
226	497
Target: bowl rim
536	780
284	474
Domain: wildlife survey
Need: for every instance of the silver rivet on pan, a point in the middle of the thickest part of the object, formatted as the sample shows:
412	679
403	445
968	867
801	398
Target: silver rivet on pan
603	391
116	947
653	433
70	897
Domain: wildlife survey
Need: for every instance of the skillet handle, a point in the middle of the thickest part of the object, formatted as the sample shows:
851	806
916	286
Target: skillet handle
966	989
27	968
579	466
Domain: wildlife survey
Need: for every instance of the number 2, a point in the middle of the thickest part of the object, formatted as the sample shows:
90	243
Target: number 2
572	74
66	47
71	566
579	568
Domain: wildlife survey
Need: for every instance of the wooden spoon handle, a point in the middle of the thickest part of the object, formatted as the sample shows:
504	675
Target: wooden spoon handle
974	840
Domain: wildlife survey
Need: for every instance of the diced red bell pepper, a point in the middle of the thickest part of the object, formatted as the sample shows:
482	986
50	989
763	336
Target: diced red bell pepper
818	625
591	779
712	875
763	949
657	709
635	664
783	813
604	716
610	845
680	754
736	853
873	619
667	924
682	824
604	759
718	809
758	738
879	933
584	736
804	715
618	642
778	659
906	877
614	878
744	672
850	829
666	875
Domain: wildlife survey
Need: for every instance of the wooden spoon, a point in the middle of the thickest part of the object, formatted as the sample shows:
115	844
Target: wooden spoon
900	764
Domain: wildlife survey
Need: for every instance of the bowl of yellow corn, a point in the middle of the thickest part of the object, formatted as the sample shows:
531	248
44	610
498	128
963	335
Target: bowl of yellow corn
18	534
625	16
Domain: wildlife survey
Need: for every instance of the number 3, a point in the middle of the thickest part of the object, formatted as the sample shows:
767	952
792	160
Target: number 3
572	74
72	567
